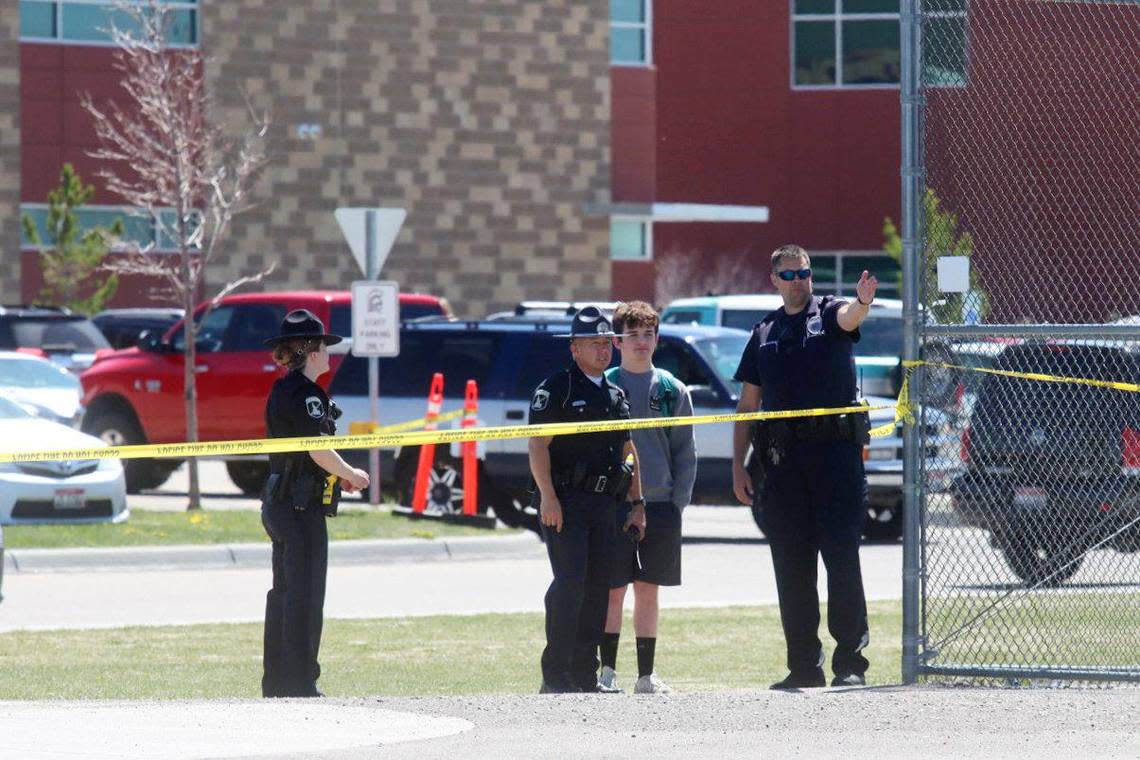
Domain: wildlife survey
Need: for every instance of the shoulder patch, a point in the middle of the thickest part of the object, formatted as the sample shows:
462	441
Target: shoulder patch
315	407
540	400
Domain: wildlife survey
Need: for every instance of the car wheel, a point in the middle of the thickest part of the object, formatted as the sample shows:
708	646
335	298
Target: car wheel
249	476
445	481
884	523
118	429
1038	561
513	510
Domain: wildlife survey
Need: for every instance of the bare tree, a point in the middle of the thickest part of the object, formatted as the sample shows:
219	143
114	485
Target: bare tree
681	274
162	154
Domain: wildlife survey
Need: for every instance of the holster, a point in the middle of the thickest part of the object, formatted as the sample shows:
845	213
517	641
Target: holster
330	496
278	485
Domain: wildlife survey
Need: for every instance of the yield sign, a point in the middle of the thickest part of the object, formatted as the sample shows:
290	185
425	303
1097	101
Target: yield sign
387	226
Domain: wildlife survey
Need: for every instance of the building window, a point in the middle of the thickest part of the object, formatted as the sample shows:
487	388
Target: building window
139	227
89	21
838	272
944	43
631	32
855	43
631	239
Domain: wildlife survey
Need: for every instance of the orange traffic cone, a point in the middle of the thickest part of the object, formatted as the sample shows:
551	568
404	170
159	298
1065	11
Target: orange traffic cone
470	462
427	451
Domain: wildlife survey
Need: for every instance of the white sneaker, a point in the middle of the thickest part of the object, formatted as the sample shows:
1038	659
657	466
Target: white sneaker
651	684
607	681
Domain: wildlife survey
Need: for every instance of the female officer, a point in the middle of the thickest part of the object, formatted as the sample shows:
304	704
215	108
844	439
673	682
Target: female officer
292	511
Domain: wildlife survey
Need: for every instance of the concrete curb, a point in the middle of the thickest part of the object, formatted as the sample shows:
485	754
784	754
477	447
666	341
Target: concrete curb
231	556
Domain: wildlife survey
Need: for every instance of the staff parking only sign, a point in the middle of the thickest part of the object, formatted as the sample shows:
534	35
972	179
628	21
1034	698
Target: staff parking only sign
375	318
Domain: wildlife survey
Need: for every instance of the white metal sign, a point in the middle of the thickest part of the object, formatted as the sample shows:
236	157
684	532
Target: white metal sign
375	318
386	225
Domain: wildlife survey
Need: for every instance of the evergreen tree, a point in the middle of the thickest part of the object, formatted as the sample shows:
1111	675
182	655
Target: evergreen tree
941	238
71	256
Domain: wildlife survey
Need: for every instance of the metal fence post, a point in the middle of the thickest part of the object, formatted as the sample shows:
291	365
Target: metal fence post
910	22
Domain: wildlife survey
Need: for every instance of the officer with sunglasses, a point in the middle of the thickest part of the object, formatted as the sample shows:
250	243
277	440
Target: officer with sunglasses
808	474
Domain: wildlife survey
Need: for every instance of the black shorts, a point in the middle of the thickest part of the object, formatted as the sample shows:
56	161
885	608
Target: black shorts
660	550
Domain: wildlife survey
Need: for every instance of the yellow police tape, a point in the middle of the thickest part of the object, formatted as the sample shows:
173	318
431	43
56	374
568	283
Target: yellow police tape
420	437
1111	384
365	428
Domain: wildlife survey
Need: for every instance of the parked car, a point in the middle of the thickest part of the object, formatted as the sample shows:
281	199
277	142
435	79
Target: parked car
90	490
1052	470
68	340
134	395
124	327
554	310
42	388
509	357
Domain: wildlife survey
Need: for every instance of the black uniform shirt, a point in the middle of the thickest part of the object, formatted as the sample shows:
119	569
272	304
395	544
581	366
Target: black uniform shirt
569	396
801	361
297	408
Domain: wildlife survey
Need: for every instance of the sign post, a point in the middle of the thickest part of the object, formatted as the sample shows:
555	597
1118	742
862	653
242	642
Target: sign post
375	305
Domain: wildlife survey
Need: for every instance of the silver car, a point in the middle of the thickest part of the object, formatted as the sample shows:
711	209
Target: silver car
74	491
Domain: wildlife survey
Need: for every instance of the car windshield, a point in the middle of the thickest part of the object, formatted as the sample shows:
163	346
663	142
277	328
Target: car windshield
880	336
723	354
744	319
58	335
11	411
33	373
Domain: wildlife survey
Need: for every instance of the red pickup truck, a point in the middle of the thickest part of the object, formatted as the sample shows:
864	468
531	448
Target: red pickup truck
135	395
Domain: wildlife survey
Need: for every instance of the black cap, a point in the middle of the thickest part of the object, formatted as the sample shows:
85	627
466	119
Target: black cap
302	323
590	323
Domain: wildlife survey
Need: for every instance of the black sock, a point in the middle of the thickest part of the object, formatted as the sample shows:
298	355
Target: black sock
646	648
609	649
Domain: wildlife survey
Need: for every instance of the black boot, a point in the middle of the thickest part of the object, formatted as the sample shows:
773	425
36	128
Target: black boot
801	679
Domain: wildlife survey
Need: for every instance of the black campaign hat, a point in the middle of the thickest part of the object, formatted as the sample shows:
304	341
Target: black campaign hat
302	323
589	322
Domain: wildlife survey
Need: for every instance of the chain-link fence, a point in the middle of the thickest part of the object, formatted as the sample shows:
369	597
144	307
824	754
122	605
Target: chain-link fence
1023	119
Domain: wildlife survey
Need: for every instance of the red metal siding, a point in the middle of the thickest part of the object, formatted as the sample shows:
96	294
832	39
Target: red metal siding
1039	156
730	130
633	134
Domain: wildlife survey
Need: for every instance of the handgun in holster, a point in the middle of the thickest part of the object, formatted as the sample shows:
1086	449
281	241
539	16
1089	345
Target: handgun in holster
770	439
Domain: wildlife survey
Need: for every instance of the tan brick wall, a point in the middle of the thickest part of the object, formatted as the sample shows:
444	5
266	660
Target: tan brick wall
488	121
9	152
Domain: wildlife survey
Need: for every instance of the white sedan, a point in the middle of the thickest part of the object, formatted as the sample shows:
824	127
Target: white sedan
74	491
41	387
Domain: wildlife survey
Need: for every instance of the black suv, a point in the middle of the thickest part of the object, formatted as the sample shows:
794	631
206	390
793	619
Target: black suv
67	339
508	358
124	327
1053	469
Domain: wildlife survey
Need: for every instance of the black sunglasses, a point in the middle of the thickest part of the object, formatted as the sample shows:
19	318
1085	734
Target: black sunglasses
788	275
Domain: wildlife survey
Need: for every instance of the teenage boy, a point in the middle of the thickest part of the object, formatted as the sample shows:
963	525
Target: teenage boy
667	458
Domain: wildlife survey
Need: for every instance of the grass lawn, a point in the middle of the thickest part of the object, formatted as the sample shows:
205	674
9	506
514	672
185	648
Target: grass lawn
222	526
698	649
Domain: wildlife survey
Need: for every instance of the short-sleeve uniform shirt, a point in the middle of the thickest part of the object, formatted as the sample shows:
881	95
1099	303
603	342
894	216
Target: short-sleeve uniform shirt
801	361
297	408
569	396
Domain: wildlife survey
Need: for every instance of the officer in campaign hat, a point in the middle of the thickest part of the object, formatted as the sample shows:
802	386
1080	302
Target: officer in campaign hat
301	490
579	480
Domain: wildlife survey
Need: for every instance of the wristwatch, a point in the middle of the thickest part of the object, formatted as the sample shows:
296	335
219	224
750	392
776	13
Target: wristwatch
637	503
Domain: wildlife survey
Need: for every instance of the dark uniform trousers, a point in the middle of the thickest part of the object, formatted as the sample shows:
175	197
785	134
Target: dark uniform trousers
814	504
580	558
294	607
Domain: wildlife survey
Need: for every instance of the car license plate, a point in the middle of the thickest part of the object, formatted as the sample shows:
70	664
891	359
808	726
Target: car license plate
70	498
1031	498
